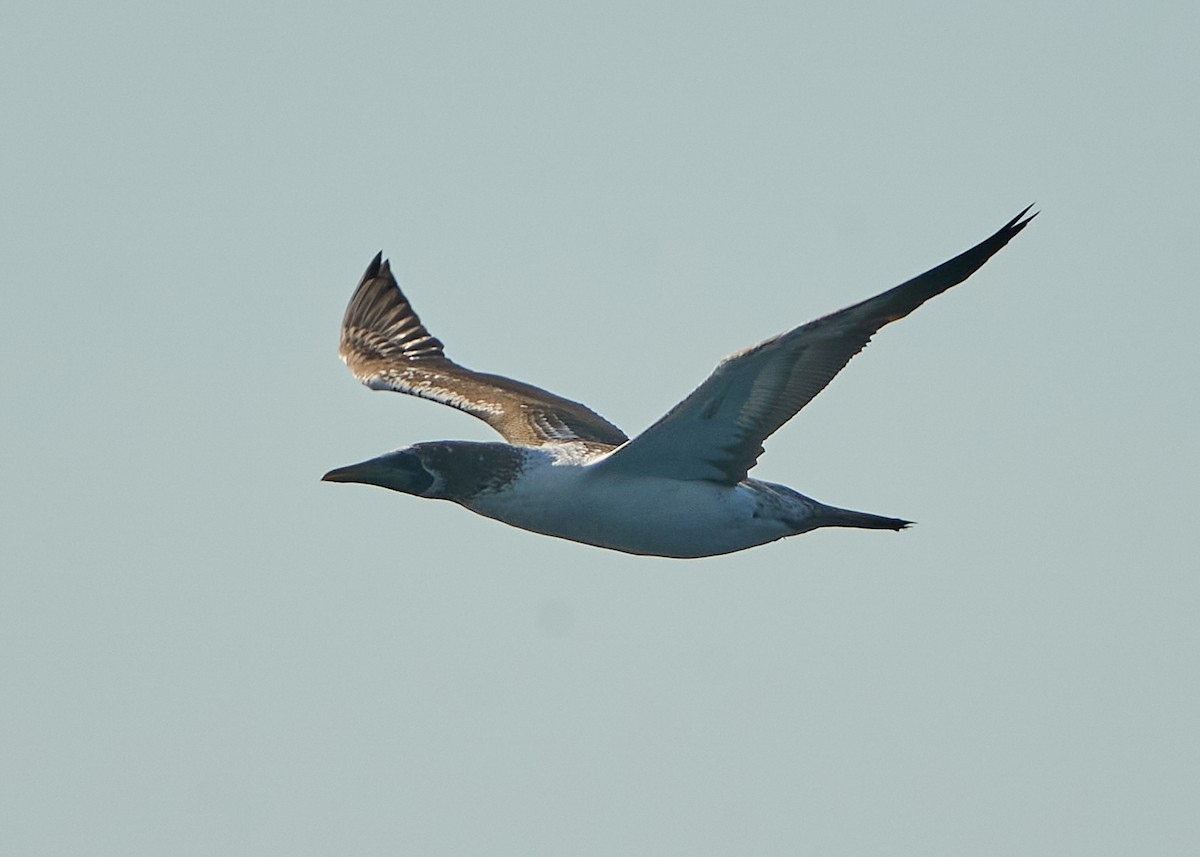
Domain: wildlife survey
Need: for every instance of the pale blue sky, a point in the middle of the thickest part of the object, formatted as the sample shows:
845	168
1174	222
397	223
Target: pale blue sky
204	650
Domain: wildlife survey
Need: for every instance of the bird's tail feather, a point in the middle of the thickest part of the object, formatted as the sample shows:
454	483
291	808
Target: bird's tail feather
831	516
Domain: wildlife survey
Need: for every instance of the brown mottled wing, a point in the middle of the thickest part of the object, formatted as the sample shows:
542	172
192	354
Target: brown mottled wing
387	348
716	433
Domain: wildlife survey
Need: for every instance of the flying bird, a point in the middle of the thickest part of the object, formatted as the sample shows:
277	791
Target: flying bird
681	488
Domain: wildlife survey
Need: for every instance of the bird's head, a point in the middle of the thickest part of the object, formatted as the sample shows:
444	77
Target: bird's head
401	470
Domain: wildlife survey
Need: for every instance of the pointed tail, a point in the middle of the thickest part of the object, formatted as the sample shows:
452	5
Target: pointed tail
831	516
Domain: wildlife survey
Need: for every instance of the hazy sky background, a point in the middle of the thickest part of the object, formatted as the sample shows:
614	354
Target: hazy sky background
205	650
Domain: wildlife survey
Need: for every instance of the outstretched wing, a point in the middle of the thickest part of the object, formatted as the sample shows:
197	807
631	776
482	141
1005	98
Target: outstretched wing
716	433
387	348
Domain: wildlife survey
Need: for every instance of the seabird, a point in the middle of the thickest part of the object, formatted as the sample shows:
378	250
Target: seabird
681	488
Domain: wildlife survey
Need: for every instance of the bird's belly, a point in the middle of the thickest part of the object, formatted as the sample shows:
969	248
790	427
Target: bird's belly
655	517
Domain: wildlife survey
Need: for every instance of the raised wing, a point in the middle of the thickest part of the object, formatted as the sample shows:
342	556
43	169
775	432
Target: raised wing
387	348
716	433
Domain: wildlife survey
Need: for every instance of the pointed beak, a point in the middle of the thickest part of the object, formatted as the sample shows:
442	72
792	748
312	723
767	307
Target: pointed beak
397	471
349	473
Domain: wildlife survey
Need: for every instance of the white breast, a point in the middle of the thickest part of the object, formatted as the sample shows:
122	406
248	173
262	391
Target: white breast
640	515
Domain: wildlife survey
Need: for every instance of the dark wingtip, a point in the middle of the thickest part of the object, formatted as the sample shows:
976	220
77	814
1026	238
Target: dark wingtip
376	264
1017	224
